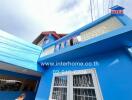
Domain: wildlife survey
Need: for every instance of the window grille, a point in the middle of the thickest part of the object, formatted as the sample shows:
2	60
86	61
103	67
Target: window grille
76	85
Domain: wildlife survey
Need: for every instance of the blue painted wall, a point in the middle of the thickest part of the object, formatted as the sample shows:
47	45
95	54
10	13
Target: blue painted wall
114	72
114	69
51	39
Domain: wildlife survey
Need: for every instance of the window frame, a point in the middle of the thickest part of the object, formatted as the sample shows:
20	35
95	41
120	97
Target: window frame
70	86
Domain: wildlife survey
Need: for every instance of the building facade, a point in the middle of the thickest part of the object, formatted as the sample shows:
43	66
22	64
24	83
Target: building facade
92	63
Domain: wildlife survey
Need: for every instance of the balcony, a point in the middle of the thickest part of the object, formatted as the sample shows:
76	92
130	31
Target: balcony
90	39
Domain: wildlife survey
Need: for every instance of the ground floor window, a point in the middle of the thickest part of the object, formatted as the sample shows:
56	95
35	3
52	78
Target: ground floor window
76	85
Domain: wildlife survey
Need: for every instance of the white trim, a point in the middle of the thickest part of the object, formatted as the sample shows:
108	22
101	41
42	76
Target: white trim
70	86
50	98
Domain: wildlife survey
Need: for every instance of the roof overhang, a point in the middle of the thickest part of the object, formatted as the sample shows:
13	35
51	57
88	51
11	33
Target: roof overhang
20	70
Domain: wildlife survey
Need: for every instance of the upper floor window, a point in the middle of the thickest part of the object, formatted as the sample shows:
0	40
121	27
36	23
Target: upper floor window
46	40
76	85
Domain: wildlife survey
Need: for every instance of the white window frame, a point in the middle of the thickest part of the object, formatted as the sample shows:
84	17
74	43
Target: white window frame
70	74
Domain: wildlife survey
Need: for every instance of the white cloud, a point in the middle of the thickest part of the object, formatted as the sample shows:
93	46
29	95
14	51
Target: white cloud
27	18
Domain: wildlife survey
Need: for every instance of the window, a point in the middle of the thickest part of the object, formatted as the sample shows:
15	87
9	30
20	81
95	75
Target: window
46	41
75	85
60	88
106	26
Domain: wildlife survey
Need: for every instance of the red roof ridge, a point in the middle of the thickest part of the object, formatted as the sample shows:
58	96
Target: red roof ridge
56	35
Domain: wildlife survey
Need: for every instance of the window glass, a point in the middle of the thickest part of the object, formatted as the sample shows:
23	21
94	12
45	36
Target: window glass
59	88
76	85
83	80
84	94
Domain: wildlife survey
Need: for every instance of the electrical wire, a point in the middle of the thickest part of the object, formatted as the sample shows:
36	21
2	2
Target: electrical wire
94	9
103	7
112	3
97	9
91	10
109	5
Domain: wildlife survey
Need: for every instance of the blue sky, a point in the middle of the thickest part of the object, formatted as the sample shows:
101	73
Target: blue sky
28	18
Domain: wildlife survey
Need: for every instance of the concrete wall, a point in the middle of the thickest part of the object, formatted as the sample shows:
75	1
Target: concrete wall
114	72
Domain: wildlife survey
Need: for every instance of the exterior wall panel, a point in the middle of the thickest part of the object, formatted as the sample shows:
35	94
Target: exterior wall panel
114	72
107	26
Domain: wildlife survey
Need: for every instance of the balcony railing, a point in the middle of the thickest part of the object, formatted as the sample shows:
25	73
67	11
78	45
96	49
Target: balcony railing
83	34
61	44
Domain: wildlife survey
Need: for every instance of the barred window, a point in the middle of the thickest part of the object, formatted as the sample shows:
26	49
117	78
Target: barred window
76	85
60	88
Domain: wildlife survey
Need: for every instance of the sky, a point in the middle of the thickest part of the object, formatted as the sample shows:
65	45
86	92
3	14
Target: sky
28	18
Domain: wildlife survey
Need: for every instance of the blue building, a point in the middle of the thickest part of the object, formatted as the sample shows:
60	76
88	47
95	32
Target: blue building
92	63
18	67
